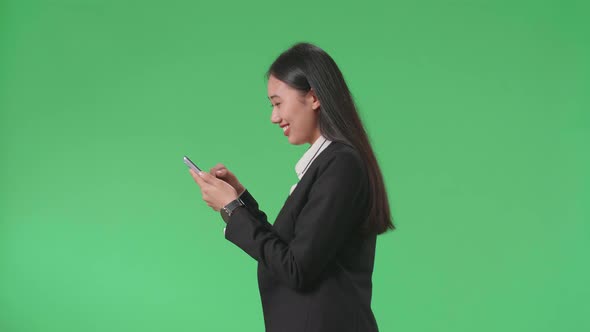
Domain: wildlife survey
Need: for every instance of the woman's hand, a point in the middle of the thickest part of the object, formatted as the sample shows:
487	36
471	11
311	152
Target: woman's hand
221	172
216	193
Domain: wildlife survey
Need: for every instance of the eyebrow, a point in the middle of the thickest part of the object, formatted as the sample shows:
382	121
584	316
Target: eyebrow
274	96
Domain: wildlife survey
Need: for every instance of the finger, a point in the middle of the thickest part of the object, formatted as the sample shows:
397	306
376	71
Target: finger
218	166
217	172
218	169
199	180
206	177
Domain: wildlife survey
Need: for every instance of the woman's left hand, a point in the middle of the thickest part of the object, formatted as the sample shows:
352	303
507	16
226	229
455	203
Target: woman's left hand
216	193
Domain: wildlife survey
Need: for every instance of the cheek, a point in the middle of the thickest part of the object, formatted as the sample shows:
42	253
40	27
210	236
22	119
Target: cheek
292	115
287	115
303	120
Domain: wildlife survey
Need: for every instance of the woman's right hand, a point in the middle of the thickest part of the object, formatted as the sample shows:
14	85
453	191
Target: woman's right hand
221	172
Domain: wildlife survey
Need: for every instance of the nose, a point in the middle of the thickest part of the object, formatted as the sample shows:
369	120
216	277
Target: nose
274	116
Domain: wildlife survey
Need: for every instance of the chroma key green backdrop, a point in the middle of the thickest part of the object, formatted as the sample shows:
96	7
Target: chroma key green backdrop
478	112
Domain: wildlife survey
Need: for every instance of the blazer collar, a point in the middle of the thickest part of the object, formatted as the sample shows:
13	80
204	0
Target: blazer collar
310	155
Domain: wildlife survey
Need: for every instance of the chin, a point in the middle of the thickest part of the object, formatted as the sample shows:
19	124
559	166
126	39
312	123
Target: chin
294	140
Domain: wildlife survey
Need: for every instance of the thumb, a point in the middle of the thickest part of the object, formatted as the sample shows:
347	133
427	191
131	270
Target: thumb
220	172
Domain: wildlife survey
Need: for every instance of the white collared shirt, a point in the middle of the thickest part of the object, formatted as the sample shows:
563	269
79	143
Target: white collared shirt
309	156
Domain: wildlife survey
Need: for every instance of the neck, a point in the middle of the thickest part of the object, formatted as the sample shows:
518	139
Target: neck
315	137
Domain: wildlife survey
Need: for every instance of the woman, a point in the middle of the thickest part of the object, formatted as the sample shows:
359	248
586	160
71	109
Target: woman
315	262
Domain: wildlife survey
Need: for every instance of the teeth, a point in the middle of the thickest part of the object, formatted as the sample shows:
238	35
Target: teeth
285	128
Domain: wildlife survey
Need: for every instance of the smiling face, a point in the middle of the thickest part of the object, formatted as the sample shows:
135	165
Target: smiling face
296	114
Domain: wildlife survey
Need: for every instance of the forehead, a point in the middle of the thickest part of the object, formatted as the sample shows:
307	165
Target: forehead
277	87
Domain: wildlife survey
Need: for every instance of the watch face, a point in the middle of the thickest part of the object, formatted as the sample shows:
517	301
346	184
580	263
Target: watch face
229	210
231	206
224	215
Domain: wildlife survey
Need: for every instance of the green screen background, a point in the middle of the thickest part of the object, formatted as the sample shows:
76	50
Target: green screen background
478	112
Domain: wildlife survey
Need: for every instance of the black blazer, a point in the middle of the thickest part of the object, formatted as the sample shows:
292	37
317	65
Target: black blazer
314	268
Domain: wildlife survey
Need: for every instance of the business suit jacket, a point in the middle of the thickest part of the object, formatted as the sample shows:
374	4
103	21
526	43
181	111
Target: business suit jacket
314	267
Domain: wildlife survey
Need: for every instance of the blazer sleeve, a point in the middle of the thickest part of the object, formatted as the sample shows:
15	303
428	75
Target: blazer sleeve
252	206
334	209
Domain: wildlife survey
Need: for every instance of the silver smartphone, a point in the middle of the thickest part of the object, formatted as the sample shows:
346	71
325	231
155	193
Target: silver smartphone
190	164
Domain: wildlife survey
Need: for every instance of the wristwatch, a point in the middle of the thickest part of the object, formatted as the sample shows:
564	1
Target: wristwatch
227	210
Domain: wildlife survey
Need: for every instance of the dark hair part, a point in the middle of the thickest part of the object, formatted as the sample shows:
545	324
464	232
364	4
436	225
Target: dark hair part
305	66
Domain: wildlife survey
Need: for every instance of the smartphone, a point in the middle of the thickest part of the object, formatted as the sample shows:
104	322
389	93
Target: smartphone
190	164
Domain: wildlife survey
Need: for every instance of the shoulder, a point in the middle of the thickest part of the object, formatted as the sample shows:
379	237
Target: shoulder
343	160
342	153
342	177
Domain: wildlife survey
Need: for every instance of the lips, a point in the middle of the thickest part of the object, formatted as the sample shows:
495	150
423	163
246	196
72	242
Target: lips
286	130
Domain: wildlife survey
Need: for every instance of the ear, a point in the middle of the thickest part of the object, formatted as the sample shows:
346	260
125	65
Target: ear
313	100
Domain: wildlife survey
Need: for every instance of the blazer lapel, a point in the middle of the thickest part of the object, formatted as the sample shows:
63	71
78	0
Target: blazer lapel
285	221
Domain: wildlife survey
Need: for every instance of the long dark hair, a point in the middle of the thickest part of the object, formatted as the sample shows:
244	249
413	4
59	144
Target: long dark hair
305	66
